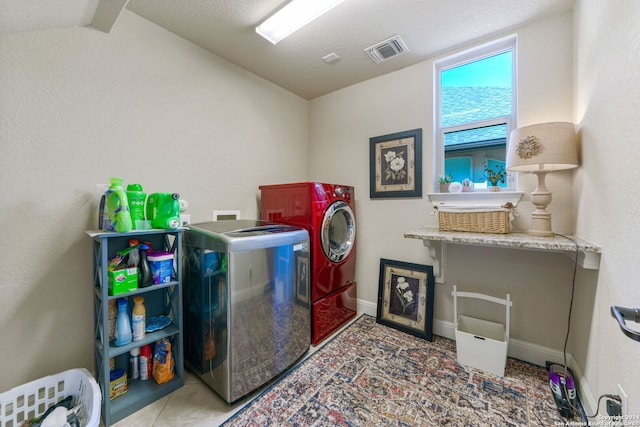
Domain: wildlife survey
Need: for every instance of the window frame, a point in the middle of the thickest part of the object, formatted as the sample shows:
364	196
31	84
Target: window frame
467	56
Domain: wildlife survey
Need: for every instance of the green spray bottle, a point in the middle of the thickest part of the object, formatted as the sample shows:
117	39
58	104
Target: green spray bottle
118	207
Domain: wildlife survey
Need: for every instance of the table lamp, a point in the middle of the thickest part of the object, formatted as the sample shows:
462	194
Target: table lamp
540	149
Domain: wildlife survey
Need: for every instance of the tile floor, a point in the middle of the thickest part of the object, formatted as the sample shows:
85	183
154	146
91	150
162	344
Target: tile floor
194	404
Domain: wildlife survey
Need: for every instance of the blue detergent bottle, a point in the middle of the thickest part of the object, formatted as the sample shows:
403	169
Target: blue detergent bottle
124	334
118	207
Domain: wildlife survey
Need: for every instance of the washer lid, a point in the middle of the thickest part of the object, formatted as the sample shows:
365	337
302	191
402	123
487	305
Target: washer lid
241	227
338	233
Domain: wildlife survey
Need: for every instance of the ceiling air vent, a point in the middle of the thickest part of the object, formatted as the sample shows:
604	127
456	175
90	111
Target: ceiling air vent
387	49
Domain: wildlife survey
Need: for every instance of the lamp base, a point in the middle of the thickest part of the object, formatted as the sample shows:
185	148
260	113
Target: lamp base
541	218
541	224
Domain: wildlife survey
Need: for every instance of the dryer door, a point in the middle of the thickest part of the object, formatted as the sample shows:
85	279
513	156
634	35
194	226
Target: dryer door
338	234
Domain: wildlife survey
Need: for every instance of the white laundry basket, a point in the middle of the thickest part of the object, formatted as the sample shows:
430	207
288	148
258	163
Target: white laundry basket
32	399
480	343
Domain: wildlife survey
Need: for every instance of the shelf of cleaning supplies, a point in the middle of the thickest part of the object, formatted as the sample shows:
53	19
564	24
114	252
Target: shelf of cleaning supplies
162	299
436	241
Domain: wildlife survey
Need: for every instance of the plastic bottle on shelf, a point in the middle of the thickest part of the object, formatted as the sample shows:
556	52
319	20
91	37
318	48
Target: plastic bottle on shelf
103	215
136	198
146	364
163	210
134	363
118	207
146	278
123	324
138	318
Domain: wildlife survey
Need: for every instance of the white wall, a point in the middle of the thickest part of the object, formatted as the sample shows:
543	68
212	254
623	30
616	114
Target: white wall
78	106
343	122
608	114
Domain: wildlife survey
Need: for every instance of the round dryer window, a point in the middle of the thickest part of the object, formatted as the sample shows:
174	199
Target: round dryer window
338	232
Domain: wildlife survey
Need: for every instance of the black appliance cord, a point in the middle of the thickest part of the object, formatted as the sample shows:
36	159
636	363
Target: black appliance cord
566	339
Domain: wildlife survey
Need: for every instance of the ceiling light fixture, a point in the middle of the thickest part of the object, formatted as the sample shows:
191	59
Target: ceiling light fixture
295	15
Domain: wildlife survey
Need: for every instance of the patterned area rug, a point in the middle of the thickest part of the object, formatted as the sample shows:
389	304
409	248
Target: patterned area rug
373	375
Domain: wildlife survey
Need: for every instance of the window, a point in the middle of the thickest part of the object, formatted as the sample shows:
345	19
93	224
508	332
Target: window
475	110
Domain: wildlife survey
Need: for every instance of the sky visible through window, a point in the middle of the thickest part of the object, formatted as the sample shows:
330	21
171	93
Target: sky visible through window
494	71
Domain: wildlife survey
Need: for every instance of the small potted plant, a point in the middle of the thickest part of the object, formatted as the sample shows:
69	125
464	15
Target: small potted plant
494	177
466	185
444	181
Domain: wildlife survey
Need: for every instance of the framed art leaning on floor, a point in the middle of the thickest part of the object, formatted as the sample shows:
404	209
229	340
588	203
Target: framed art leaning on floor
405	297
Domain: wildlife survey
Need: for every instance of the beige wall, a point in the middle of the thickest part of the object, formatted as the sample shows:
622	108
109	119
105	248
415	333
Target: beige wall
607	111
78	106
343	122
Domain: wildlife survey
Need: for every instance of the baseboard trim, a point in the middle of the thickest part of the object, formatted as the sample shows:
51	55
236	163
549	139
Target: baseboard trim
366	307
521	350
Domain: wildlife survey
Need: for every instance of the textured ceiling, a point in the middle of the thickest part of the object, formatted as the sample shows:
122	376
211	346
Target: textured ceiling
30	15
227	29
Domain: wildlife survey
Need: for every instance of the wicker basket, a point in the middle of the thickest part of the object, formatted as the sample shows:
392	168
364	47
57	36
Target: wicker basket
474	220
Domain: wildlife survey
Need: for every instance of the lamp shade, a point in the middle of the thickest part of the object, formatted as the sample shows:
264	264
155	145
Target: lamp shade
542	147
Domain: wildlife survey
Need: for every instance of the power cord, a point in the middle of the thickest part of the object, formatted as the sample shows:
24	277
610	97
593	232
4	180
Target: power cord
608	396
566	339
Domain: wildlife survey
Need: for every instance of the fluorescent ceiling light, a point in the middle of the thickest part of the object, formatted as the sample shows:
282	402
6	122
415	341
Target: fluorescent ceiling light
295	15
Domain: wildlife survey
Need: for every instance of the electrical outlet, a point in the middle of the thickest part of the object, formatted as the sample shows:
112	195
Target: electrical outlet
624	400
614	408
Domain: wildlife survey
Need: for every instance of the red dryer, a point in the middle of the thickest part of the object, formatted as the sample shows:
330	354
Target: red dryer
327	211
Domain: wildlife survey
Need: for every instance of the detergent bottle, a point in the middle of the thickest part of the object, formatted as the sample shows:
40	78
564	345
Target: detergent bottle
138	318
163	210
118	207
123	324
136	198
103	214
146	277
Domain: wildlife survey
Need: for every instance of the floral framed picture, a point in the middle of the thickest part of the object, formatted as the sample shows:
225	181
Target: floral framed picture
395	165
405	297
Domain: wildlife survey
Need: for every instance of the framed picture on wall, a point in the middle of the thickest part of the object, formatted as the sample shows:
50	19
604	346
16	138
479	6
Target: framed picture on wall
395	165
405	297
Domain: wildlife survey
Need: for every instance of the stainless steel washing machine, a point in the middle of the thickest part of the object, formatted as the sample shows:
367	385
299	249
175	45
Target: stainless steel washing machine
246	296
